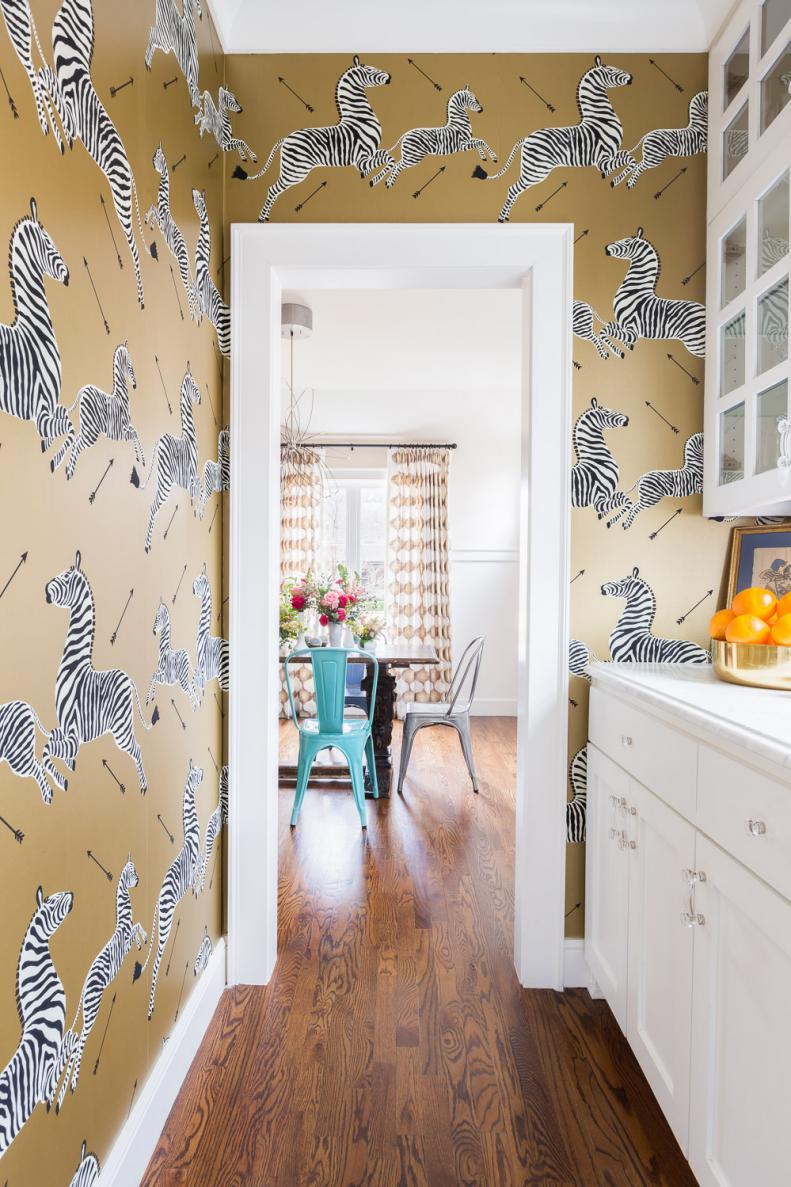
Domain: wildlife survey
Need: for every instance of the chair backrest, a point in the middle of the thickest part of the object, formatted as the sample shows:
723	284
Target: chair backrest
329	679
461	693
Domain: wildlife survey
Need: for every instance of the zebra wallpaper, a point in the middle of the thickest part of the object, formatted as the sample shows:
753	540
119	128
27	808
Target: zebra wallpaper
109	363
615	144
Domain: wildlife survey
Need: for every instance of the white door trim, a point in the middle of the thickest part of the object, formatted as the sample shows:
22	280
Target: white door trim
264	260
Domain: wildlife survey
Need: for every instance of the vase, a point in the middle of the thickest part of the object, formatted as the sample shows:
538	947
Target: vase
335	630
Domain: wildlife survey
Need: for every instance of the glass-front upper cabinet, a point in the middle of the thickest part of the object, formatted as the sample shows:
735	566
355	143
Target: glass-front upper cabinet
747	467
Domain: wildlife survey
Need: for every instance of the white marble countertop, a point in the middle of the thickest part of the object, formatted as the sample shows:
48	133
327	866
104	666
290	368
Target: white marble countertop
753	720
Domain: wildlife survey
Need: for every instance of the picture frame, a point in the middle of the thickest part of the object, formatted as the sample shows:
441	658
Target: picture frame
760	556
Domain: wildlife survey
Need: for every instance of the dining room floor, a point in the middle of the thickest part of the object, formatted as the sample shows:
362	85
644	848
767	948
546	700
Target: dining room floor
394	1046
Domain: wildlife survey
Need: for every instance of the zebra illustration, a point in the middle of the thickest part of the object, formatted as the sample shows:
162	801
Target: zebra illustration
214	118
211	651
28	1078
207	295
30	368
104	969
85	118
174	667
354	140
87	1173
204	954
454	137
639	312
632	640
662	143
174	240
594	141
89	702
22	31
577	805
580	655
217	820
594	476
103	414
664	484
175	459
583	317
179	878
18	747
216	475
175	33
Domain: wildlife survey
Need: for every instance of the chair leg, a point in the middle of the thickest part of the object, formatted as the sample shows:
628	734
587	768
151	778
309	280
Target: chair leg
305	762
463	728
407	738
358	784
371	763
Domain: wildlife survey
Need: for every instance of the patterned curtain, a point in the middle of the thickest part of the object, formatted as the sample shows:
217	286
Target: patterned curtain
301	487
418	585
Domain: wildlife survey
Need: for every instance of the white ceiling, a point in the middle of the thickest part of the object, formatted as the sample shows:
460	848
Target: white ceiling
467	26
391	340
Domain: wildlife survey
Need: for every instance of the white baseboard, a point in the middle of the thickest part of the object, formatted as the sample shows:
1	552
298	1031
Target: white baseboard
137	1141
494	708
576	974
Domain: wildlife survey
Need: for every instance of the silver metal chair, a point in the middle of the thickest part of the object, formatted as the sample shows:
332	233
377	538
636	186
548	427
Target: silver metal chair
454	711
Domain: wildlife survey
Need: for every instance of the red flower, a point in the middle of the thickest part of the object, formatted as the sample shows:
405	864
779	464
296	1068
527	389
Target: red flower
351	598
298	601
342	600
341	614
323	619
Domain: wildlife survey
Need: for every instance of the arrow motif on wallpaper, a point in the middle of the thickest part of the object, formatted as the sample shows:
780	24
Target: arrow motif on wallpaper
11	102
221	266
427	77
681	367
176	291
170	523
577	366
211	404
576	575
109	769
582	234
104	1036
167	830
214	516
114	635
17	567
178	587
219	705
17	833
96	295
537	94
110	229
675	177
661	528
220	607
162	381
312	194
549	198
95	491
211	756
181	991
700	601
96	861
175	710
687	279
573	703
180	161
664	73
173	947
656	412
170	82
291	91
433	177
576	907
129	83
131	1100
216	157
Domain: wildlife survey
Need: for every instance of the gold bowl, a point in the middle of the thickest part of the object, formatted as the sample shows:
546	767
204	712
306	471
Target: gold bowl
758	665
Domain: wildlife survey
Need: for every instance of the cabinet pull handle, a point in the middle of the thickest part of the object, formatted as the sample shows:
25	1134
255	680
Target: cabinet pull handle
626	740
756	828
693	919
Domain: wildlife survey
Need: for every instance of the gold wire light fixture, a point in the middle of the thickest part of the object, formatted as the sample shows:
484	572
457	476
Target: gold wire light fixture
297	455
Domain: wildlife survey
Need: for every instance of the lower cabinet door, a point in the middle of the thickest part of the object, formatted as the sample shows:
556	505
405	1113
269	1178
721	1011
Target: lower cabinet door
661	933
740	1127
607	880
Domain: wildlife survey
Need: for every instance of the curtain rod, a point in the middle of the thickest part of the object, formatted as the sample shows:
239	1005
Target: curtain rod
376	445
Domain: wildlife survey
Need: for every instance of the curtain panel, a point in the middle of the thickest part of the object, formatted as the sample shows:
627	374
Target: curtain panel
301	489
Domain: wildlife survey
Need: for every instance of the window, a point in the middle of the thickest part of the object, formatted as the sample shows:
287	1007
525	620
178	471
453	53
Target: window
354	528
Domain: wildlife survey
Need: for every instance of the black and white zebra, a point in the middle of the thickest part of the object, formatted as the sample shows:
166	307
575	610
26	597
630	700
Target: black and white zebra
104	414
211	651
18	747
104	969
580	655
216	475
453	137
594	141
661	143
175	459
217	820
204	954
639	312
576	807
207	295
29	1077
632	640
30	367
175	33
354	140
583	317
665	484
594	476
23	33
85	118
214	118
161	215
174	666
89	703
179	878
87	1173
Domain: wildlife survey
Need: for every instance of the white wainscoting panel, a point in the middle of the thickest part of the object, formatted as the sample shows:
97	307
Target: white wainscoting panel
483	590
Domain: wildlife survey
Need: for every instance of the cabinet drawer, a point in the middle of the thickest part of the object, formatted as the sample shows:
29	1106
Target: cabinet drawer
662	758
730	795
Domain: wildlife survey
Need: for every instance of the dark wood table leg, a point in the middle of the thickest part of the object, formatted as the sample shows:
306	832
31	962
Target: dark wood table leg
382	731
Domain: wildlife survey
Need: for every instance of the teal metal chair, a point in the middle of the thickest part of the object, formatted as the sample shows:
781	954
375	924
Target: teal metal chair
329	728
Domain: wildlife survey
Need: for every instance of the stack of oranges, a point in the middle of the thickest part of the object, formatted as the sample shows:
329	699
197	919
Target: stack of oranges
755	616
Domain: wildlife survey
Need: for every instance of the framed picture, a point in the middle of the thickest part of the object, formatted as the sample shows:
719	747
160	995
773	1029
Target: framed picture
760	556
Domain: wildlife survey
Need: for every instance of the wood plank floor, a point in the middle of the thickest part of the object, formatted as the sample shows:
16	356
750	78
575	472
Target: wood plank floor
394	1047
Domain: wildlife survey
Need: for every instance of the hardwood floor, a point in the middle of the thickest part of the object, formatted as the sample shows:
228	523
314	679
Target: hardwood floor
394	1047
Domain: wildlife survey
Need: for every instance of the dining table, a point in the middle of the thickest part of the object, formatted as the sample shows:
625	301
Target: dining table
389	658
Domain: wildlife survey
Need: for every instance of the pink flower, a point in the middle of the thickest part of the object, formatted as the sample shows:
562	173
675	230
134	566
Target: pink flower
342	600
331	599
341	614
323	619
351	598
298	601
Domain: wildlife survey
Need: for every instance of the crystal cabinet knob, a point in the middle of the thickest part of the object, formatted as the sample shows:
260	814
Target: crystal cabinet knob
756	828
626	740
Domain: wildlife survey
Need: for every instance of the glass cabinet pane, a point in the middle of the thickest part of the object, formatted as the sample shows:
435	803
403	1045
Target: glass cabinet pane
732	445
773	225
773	326
734	263
737	68
772	407
732	354
774	15
735	141
776	89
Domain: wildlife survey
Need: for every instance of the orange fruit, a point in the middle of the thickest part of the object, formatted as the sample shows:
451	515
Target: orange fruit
759	602
719	622
784	605
747	628
771	621
781	631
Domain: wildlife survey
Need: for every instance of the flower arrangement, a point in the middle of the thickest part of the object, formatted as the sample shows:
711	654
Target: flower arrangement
339	598
367	627
289	618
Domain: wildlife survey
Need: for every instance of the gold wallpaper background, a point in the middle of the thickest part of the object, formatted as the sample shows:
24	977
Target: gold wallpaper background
80	842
